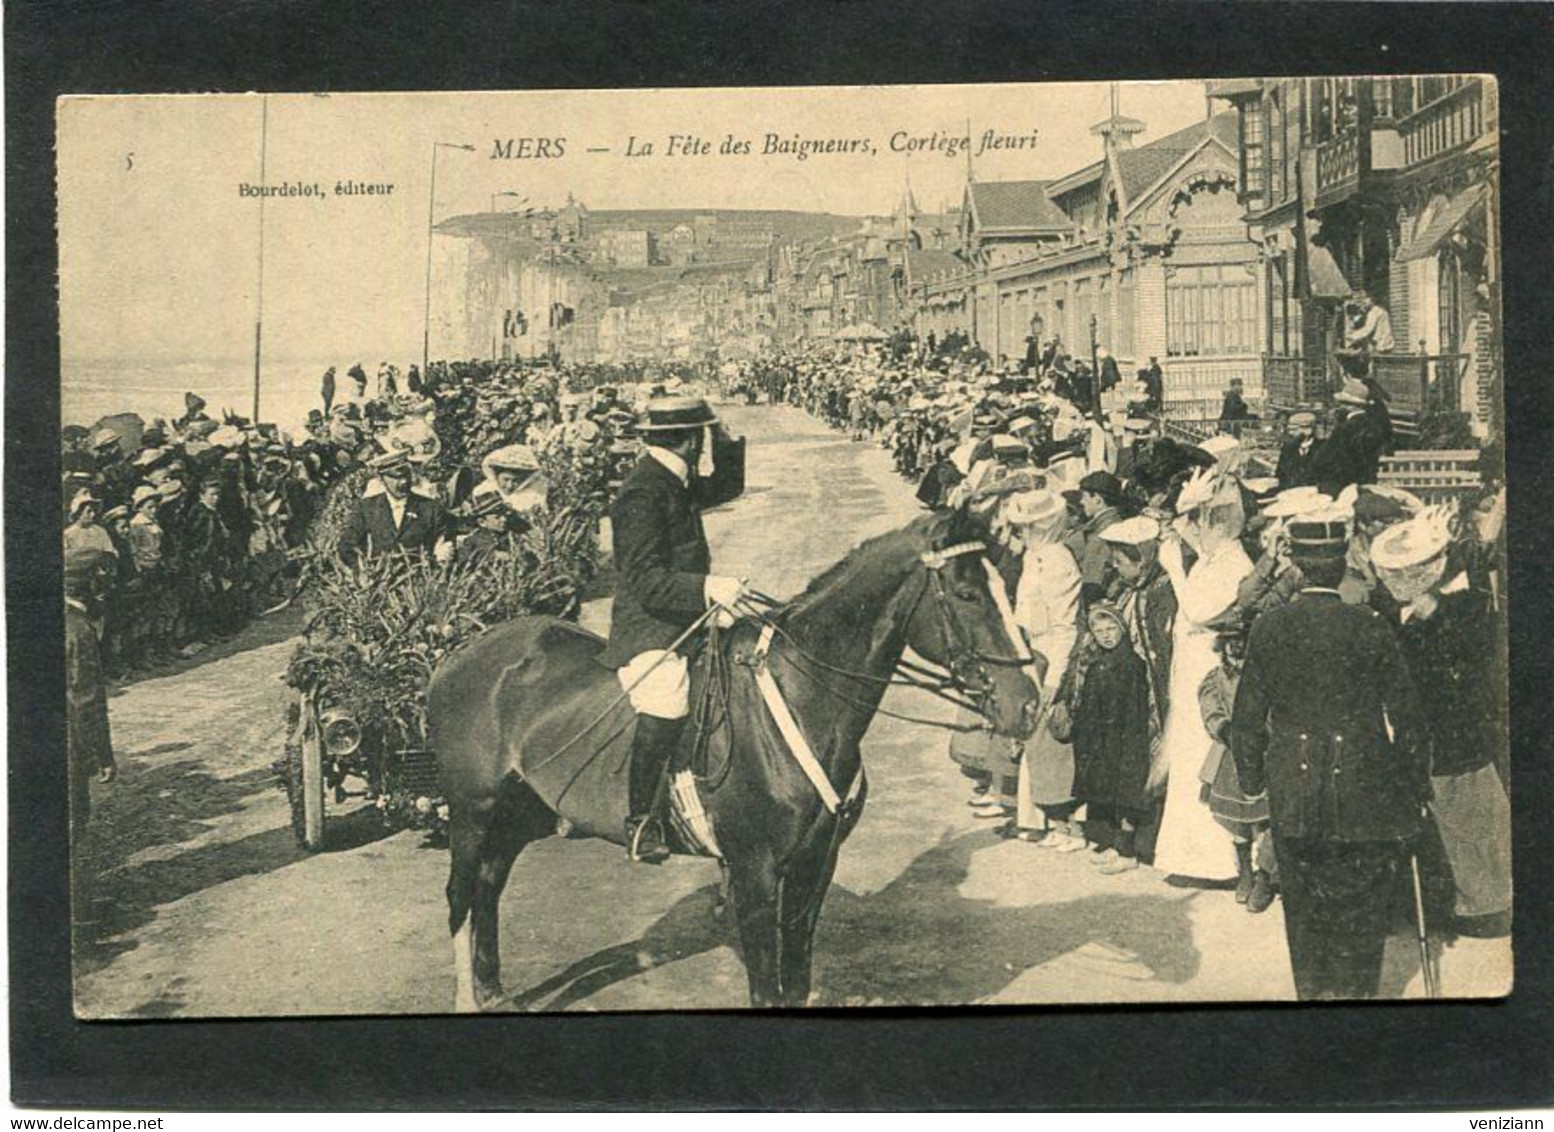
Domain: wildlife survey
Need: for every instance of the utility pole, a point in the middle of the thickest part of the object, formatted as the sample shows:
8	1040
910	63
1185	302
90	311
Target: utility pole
431	206
264	148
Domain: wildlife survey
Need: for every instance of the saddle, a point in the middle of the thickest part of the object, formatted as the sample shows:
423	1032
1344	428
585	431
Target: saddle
570	728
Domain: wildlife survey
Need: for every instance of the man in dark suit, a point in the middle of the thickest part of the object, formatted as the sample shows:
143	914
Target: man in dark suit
395	519
664	584
1326	721
1298	455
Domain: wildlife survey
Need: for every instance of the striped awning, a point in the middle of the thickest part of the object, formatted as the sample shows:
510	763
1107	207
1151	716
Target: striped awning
1437	225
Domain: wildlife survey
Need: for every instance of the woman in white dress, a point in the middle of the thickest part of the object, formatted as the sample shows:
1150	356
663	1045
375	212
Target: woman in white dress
1046	608
1210	519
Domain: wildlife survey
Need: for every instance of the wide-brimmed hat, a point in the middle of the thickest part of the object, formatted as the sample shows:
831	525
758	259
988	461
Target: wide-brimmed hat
116	513
80	499
1294	501
1137	531
1220	446
1413	543
1352	392
105	438
1384	504
675	413
1033	508
143	493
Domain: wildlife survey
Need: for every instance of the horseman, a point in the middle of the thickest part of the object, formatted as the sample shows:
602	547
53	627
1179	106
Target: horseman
665	584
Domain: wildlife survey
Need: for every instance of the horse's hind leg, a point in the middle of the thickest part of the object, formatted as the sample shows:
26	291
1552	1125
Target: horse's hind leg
465	837
520	818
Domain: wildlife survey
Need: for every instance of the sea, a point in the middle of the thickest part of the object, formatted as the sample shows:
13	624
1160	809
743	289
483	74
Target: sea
91	389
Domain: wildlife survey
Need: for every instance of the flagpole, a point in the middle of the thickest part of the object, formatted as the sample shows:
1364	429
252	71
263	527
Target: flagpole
264	147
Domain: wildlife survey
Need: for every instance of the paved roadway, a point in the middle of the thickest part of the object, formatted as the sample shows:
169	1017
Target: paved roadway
206	907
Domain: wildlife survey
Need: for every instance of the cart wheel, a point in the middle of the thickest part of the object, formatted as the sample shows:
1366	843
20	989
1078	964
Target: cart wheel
303	772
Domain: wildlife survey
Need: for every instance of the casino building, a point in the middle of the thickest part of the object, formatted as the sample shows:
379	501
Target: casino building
1147	245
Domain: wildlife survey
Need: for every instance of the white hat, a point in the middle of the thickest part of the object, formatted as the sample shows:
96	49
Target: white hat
1136	531
142	493
1020	423
1220	446
226	437
1294	501
81	499
1412	542
1031	508
517	457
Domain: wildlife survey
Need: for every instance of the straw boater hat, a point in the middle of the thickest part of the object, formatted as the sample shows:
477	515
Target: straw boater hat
485	500
394	461
1317	538
676	413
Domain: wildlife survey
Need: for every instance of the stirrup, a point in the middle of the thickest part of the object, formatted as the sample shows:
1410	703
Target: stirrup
654	854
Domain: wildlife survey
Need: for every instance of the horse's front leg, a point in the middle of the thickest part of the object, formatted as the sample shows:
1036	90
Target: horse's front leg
754	887
803	894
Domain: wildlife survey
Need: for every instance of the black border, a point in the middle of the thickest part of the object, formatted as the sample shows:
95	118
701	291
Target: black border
1384	1056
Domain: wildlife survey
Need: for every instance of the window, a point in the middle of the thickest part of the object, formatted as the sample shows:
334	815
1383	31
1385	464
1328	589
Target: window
1252	172
1211	310
1125	316
1277	184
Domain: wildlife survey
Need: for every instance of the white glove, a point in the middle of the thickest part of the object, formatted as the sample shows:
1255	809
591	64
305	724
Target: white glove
726	592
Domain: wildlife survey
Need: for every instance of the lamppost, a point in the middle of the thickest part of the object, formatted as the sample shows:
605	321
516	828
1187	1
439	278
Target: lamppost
431	204
1095	370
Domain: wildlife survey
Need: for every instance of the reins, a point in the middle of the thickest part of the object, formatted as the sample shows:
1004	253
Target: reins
905	673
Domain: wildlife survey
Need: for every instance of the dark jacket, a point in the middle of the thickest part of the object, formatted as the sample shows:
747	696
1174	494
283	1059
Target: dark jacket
661	555
1322	681
1351	453
1294	468
1455	660
370	529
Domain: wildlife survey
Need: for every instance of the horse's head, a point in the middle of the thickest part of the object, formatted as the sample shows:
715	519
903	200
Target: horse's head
962	622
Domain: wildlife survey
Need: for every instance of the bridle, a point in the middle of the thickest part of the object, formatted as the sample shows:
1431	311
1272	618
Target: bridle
964	680
966	663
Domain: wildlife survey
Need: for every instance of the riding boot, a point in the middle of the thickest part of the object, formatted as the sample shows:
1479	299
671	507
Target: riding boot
652	751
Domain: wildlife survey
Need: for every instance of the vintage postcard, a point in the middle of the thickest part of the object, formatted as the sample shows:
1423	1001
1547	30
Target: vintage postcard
838	546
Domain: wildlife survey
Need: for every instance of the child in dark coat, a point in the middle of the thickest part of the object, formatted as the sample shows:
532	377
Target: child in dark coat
1110	712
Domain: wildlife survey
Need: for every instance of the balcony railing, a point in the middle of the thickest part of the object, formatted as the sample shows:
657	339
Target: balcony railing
1338	167
1294	380
1445	124
1417	383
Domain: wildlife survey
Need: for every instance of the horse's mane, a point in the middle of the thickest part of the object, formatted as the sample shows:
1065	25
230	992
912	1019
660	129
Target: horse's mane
862	556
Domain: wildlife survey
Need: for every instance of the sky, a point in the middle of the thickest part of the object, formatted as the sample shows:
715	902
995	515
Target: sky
159	248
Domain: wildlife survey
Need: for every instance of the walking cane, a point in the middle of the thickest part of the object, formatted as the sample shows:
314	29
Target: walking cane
1431	989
